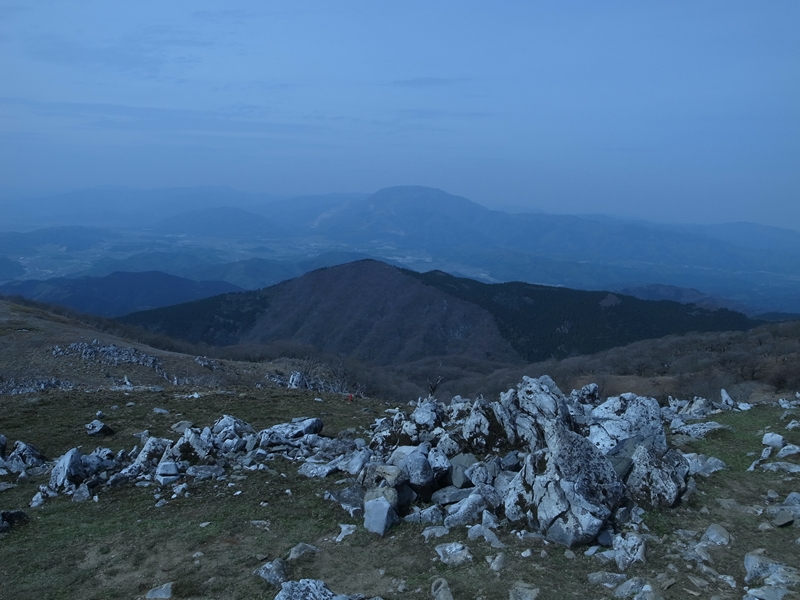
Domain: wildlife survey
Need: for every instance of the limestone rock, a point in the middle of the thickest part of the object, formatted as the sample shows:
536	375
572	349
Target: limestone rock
499	562
98	428
577	491
773	440
305	589
162	591
426	414
657	482
346	529
466	512
624	417
523	591
480	532
203	472
607	579
771	572
788	467
379	516
389	493
727	402
700	430
702	465
82	494
148	458
440	590
420	473
23	457
432	514
436	531
628	549
459	465
301	550
717	535
453	554
68	471
350	499
450	495
167	472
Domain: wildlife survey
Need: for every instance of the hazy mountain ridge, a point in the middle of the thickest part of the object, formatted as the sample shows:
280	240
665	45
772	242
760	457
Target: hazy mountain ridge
422	229
381	314
118	293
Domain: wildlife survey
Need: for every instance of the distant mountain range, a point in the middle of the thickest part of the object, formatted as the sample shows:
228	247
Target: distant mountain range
195	232
382	314
118	293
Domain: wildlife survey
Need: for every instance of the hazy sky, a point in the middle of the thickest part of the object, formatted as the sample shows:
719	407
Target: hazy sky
679	111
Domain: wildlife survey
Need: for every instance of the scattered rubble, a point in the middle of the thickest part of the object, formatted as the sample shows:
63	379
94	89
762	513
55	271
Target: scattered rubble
571	470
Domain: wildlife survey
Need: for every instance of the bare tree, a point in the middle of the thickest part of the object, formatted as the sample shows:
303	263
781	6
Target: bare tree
433	385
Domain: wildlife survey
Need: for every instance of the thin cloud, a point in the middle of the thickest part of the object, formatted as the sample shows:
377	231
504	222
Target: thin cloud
216	15
421	82
233	120
424	113
145	55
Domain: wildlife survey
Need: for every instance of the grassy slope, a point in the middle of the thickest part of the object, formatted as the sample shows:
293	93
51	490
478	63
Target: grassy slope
123	546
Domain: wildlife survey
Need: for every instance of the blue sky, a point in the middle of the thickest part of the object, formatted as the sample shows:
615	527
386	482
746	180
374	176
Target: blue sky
670	111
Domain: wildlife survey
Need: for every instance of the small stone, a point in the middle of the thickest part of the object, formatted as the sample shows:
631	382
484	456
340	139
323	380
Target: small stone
440	590
526	553
205	524
82	494
160	411
569	554
453	554
628	549
607	579
629	588
163	591
499	562
772	496
273	572
436	531
523	591
181	426
773	440
783	519
764	526
345	531
302	549
98	428
717	535
698	581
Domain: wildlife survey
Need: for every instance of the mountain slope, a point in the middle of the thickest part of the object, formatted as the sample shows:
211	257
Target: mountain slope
382	314
542	321
367	309
118	293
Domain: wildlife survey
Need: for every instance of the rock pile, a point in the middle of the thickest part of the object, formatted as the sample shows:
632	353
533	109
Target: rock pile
30	385
110	354
570	468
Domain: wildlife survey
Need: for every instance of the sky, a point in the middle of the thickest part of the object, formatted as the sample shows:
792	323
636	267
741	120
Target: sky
679	111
